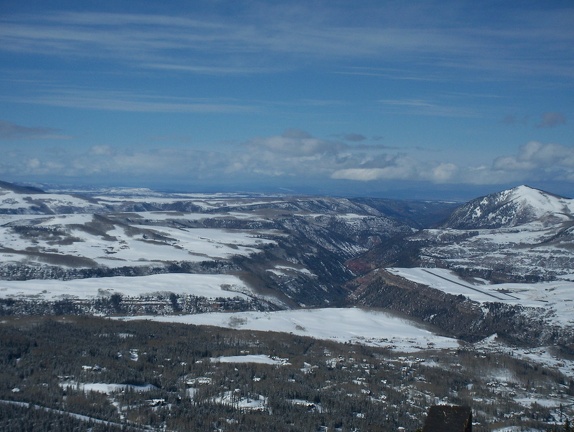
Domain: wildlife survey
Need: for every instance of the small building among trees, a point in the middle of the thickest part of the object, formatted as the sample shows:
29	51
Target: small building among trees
448	418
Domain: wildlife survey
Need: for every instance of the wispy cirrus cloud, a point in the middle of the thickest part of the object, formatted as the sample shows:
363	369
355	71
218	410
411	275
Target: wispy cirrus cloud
425	107
155	37
13	131
296	36
127	101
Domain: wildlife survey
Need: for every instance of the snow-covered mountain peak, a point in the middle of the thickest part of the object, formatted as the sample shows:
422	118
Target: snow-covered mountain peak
542	202
512	207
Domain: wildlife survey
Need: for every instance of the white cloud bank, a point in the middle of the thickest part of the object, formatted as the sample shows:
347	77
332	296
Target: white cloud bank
542	161
294	155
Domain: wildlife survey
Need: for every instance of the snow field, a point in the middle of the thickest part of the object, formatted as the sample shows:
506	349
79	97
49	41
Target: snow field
121	248
372	328
18	201
201	285
215	243
250	358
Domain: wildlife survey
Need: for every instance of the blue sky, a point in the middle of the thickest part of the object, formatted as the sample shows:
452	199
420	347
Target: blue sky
389	98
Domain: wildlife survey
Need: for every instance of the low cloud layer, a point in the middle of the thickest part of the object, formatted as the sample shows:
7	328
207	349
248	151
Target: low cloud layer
294	155
539	161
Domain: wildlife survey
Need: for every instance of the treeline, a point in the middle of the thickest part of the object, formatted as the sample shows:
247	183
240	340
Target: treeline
157	304
21	271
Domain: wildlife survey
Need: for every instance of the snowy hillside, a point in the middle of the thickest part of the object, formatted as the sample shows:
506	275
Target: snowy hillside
22	201
208	286
512	208
346	325
553	300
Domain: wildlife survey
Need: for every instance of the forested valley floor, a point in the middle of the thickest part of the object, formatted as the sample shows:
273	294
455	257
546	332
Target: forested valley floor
89	373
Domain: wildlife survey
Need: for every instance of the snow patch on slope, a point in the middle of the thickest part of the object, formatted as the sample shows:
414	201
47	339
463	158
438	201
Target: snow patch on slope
555	299
200	285
372	328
